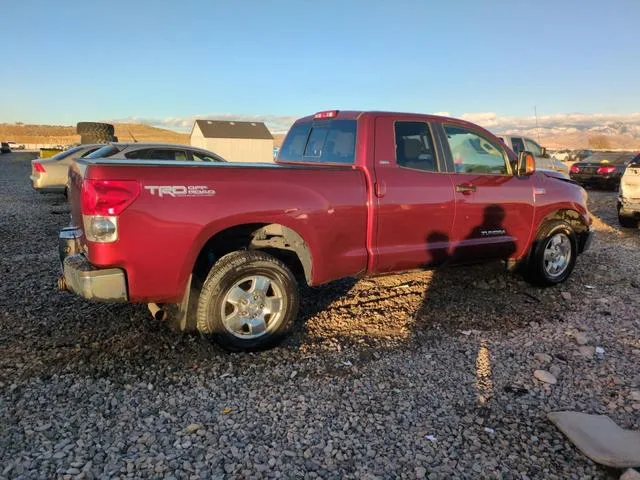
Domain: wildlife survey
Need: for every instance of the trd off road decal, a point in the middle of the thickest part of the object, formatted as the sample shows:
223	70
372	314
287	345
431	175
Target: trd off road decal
180	190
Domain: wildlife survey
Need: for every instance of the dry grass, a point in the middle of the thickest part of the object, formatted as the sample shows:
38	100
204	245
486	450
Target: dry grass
65	135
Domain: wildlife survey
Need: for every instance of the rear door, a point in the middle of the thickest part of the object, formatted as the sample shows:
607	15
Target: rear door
494	208
413	195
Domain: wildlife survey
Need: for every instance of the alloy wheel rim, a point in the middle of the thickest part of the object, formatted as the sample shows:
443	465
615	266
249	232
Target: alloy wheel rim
252	307
557	255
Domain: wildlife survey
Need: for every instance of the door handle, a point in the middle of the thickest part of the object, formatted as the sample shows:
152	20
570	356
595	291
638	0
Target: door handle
465	188
380	189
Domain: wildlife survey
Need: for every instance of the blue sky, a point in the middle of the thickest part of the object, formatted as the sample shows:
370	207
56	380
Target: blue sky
167	62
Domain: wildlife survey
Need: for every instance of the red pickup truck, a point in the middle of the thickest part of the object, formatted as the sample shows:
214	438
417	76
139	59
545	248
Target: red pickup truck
351	194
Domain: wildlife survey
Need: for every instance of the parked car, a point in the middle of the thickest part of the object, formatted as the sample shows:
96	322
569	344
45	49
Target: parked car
351	194
16	146
629	195
5	148
544	161
602	169
155	151
49	175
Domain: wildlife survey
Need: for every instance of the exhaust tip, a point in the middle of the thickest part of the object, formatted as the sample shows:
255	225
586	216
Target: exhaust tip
157	312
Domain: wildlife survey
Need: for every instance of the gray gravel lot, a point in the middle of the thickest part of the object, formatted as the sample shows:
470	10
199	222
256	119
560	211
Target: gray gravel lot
416	375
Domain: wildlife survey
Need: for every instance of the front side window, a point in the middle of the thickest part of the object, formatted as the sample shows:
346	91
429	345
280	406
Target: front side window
518	144
324	141
533	147
473	153
414	146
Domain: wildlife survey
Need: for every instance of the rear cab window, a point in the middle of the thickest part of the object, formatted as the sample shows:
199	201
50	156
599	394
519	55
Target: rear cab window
320	141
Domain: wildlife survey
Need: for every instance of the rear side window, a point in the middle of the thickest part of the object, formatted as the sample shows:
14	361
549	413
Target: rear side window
103	152
203	157
326	141
414	147
157	154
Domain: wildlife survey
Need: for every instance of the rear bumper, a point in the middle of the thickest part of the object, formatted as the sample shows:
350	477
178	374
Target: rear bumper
86	280
40	184
596	180
629	206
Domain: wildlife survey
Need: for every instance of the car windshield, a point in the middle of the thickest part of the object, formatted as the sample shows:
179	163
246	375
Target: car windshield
103	152
67	153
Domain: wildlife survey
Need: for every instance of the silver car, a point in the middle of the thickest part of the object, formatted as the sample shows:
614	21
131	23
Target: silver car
50	174
544	161
155	151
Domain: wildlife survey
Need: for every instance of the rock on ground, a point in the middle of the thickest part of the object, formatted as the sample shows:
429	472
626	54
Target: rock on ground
381	368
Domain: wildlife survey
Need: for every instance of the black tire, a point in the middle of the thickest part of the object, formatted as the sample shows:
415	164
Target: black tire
229	273
627	221
87	139
95	128
535	271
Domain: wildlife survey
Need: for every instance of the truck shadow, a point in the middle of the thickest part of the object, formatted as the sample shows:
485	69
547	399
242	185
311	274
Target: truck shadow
451	296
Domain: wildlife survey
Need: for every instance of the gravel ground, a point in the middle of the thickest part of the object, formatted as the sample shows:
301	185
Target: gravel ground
416	375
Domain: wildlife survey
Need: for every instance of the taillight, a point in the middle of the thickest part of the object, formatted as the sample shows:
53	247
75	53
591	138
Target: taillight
38	167
108	197
575	169
606	170
101	202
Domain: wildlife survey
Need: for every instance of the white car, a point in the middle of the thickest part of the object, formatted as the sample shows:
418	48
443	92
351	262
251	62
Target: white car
16	146
543	160
629	195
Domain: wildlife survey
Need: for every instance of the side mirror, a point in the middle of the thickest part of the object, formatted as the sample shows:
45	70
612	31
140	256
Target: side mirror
526	164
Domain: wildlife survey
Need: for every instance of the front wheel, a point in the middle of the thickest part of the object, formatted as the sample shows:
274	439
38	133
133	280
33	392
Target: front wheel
248	301
554	255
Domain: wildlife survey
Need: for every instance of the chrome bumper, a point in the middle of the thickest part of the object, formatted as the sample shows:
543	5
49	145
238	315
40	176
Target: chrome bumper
84	279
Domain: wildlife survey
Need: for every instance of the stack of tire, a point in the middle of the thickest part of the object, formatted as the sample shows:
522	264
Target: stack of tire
94	132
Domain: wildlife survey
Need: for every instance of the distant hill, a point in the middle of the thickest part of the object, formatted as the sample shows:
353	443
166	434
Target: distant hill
66	135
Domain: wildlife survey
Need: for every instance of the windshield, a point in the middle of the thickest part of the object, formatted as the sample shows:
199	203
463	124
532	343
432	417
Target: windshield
103	152
324	141
67	153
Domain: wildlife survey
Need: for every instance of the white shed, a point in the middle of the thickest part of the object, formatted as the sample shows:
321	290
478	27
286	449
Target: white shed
234	141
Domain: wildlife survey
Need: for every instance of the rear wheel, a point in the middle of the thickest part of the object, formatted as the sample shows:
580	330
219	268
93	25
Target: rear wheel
626	220
554	254
248	301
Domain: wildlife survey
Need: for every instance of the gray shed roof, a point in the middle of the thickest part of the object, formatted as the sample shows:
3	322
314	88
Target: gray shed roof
233	129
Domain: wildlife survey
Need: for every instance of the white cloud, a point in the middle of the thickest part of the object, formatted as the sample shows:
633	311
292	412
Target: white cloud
570	123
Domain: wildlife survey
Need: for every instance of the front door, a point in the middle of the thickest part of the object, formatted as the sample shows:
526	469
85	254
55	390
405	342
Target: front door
494	208
413	194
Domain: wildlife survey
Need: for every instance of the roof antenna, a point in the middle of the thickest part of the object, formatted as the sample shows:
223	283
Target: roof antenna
535	112
134	138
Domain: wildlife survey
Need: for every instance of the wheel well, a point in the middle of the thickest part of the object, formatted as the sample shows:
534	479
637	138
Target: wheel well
282	242
572	217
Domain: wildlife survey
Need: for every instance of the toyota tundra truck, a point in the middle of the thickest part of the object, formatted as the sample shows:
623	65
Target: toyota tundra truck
224	246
